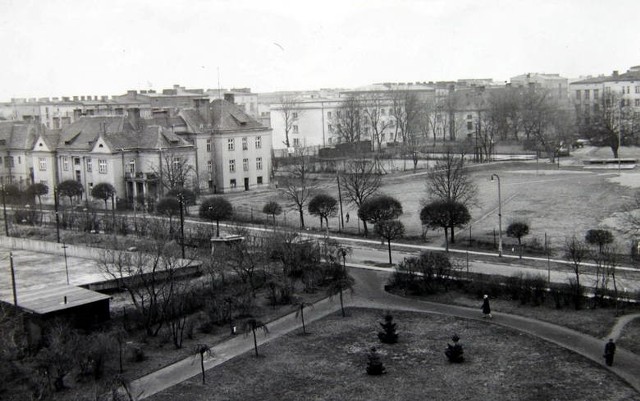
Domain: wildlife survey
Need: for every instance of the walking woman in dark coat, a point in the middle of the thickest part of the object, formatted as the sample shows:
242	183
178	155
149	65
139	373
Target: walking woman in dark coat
609	351
486	308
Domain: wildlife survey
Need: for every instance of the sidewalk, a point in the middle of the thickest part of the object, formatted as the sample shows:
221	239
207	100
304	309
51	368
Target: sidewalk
370	294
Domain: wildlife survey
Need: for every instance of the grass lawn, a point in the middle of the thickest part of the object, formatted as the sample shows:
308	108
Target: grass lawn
329	364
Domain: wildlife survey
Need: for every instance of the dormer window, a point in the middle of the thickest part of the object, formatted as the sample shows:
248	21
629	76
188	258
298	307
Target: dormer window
101	146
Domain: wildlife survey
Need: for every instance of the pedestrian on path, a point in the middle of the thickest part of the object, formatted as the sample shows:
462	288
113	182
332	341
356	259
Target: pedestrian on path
486	307
609	351
347	217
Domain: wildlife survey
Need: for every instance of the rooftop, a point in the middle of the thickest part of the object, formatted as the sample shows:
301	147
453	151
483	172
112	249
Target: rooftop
51	298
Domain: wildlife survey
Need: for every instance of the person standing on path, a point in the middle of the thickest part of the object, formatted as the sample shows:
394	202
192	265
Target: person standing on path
347	217
609	351
486	307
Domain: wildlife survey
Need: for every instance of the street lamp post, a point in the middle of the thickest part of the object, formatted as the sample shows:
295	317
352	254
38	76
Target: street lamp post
497	177
66	265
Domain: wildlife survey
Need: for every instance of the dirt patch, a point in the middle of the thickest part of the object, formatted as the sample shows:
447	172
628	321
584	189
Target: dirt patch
500	364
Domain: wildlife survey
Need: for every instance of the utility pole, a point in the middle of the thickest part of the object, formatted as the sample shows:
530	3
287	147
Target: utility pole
340	199
181	201
55	204
13	280
4	211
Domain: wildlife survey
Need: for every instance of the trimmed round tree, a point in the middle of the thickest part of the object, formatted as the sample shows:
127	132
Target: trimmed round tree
379	208
104	191
390	230
599	237
323	206
272	208
518	229
71	189
446	215
215	209
168	206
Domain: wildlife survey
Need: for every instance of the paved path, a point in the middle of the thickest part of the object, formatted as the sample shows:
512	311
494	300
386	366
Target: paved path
370	294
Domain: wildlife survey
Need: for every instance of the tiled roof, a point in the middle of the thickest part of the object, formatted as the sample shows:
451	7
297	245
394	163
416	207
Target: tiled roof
627	76
151	137
82	134
223	116
18	134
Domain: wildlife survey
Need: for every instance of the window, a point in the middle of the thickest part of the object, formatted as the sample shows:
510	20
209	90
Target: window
42	162
330	140
258	142
102	166
637	88
328	114
209	166
176	164
259	180
65	163
469	125
296	142
245	145
232	183
132	166
382	111
330	127
295	115
586	94
637	102
469	116
578	94
232	166
89	165
19	160
245	164
596	93
208	145
8	162
295	129
76	161
231	144
258	163
339	113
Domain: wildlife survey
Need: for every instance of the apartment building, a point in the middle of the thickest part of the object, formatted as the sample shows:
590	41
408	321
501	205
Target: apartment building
588	93
16	143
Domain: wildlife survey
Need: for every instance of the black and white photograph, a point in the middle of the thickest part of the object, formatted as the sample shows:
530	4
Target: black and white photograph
217	200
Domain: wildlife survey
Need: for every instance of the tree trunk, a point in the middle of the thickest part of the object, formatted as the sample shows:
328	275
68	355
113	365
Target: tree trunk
301	211
389	244
453	239
217	228
255	341
366	231
304	330
446	239
342	304
202	366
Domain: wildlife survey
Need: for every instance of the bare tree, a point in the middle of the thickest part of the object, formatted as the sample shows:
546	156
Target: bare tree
174	170
298	186
450	180
390	230
291	111
349	121
360	182
374	107
148	277
611	121
576	251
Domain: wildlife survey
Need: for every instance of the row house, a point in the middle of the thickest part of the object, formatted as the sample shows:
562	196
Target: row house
16	142
136	158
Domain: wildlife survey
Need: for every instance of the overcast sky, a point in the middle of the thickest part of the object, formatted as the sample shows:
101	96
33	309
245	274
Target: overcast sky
82	47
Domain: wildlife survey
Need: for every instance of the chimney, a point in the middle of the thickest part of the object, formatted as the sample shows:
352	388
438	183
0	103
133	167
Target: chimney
77	113
615	73
75	98
230	97
133	116
202	106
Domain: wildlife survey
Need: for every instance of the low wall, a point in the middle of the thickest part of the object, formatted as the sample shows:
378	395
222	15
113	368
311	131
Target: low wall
76	251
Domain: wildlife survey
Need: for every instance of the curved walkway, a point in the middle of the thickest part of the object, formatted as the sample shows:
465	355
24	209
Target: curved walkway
369	293
617	328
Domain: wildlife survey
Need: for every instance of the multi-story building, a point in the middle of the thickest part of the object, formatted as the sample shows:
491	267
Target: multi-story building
588	93
136	158
16	143
233	149
554	84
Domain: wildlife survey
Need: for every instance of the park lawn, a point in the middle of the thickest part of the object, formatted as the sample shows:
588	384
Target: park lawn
329	364
630	336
